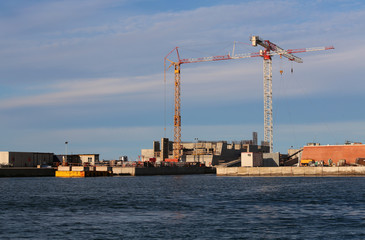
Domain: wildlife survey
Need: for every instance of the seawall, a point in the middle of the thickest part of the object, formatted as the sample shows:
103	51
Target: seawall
291	171
135	171
27	172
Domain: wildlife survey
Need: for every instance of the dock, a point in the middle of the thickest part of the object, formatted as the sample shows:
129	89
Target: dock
98	171
27	172
292	171
173	170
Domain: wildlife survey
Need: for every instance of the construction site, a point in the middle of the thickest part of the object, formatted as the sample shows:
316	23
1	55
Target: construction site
210	153
221	152
246	153
225	157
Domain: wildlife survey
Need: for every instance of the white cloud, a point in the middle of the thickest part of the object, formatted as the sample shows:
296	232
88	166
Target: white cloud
86	91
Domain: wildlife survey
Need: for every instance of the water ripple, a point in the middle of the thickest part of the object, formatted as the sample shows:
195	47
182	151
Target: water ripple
182	207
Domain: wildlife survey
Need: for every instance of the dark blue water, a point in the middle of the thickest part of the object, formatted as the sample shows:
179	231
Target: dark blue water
182	207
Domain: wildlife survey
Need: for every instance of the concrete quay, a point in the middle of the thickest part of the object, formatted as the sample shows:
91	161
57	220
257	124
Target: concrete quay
149	171
27	172
292	171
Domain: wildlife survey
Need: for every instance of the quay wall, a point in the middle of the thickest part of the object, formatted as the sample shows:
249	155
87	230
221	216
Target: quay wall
291	171
27	172
133	171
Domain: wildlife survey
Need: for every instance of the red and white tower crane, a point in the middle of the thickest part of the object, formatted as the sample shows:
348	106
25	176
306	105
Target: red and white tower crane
270	50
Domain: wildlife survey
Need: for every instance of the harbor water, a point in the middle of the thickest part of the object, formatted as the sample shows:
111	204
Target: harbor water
182	207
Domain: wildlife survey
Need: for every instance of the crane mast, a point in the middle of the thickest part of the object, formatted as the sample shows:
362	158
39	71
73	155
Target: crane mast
268	120
177	116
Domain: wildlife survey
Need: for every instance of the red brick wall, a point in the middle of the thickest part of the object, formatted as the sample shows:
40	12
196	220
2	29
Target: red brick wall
335	152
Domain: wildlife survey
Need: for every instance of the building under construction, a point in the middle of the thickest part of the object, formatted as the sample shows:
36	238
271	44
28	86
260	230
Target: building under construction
208	152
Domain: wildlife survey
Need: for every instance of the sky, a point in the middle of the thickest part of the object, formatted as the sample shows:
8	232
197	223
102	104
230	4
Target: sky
92	73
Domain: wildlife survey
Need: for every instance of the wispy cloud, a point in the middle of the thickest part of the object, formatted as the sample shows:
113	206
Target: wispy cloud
85	91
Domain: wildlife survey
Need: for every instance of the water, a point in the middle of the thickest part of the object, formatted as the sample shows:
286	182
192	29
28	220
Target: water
182	207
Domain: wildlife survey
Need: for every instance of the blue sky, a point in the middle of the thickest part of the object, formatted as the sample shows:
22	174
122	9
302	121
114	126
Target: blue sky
91	73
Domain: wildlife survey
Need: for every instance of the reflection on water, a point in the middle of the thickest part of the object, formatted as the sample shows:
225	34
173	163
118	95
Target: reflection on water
182	207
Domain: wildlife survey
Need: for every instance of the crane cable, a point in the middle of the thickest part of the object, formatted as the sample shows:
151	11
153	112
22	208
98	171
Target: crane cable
285	103
164	79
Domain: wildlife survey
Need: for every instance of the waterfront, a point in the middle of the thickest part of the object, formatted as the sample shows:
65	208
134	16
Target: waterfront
182	207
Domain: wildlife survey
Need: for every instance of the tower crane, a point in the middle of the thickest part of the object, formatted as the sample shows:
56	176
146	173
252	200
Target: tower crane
270	50
177	67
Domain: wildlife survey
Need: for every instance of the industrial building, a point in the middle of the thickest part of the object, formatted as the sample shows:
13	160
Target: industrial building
351	153
208	152
25	159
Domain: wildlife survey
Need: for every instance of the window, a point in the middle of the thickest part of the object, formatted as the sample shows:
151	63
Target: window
90	159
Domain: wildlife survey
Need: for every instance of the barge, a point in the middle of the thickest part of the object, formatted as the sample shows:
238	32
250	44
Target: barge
80	171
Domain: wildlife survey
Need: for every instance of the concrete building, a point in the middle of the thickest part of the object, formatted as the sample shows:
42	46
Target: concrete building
349	153
26	159
208	152
252	159
89	158
271	159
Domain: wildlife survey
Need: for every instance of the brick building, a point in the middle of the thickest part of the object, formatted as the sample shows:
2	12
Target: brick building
351	153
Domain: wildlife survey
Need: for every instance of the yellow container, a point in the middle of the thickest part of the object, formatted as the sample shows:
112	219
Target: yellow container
70	174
